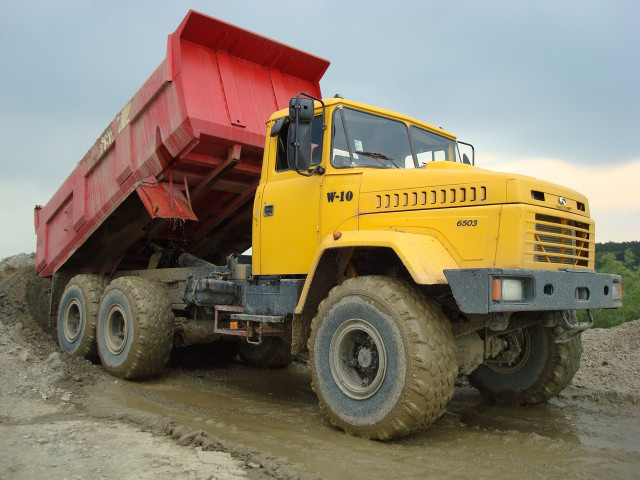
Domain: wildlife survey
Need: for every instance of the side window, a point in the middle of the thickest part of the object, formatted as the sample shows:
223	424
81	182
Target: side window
408	161
281	156
431	147
317	133
340	156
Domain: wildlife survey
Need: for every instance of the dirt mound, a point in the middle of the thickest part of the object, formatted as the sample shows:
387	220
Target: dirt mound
25	333
22	292
611	360
11	264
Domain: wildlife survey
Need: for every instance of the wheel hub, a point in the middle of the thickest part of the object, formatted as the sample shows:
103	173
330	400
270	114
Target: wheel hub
72	321
514	354
115	330
365	357
358	359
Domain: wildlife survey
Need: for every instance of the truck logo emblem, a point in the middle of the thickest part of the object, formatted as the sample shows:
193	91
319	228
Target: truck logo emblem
562	201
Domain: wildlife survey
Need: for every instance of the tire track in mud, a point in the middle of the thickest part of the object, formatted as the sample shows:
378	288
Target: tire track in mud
275	413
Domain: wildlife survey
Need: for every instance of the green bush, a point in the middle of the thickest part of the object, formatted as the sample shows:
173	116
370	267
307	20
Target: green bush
626	264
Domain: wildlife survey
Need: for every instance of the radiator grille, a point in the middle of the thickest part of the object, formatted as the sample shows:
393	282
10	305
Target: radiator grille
560	241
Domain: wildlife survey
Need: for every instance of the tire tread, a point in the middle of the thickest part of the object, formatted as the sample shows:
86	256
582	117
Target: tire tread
92	287
153	326
561	365
429	386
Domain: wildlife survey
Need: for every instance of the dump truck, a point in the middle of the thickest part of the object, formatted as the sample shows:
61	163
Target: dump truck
228	204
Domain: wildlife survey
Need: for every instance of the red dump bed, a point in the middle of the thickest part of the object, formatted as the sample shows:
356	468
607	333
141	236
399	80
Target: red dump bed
179	164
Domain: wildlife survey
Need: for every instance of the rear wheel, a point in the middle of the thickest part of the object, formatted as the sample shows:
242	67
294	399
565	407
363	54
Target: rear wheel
77	315
135	328
273	352
382	358
534	369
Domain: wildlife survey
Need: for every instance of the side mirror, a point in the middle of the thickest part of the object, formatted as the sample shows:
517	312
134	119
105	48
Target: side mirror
299	146
301	109
465	159
301	113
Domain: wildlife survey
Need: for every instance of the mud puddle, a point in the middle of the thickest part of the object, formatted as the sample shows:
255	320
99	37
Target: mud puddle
275	411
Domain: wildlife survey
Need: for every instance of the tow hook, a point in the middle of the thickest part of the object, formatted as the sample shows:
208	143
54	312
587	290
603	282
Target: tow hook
570	329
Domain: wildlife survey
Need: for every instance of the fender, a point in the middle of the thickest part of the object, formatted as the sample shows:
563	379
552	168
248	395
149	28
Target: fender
423	255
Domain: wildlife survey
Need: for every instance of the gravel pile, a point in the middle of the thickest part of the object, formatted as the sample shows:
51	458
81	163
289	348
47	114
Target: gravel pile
611	360
11	264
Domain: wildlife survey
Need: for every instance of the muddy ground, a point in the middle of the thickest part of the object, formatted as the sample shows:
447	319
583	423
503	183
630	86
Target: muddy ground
61	417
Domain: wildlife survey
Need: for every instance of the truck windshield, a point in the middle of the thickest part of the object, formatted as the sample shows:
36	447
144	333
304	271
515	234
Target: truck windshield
362	139
431	147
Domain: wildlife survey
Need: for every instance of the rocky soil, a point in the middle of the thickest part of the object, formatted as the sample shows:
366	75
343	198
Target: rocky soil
47	429
610	362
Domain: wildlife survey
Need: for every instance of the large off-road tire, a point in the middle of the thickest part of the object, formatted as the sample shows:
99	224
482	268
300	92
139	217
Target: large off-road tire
135	328
543	369
273	352
382	358
78	313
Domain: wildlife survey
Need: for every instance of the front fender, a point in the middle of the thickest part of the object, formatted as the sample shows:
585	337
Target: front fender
422	255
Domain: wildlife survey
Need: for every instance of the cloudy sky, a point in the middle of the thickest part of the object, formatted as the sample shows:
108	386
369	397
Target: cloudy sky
546	88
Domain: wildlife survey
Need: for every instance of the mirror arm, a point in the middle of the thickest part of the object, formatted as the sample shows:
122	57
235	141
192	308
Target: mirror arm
473	152
319	170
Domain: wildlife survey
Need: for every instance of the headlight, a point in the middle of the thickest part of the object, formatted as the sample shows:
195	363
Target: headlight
508	289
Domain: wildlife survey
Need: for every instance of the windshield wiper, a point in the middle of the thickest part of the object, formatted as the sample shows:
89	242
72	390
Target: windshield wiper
377	156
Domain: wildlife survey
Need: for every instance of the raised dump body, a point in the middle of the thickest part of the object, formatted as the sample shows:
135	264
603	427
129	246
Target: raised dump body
179	164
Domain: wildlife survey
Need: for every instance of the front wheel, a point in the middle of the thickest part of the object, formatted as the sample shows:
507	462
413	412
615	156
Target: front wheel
382	358
135	328
537	368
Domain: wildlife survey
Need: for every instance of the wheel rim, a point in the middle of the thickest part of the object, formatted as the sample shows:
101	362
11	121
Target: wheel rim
72	321
520	338
358	359
115	329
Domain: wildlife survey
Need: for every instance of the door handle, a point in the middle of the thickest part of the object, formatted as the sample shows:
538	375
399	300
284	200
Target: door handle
268	210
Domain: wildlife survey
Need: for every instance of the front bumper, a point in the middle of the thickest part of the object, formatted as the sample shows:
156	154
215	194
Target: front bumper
542	290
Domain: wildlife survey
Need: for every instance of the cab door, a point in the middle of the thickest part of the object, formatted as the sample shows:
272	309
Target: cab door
290	211
289	223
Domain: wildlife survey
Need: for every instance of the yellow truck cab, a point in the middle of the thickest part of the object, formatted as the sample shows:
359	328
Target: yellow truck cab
357	199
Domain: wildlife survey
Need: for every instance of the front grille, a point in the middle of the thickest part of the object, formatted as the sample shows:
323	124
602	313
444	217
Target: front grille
560	241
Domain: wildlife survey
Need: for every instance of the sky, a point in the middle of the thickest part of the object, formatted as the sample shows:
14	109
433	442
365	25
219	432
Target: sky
549	89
